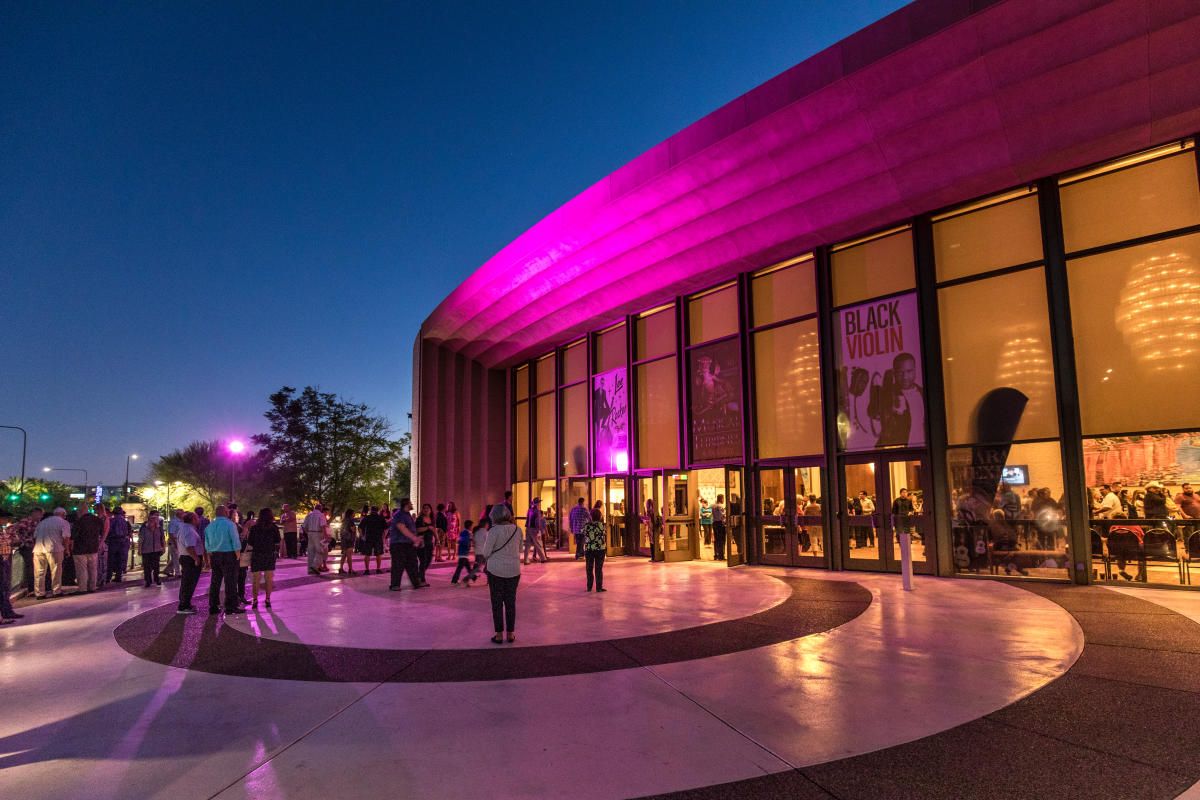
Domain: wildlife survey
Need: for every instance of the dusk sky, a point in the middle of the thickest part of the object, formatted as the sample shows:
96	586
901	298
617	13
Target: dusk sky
203	202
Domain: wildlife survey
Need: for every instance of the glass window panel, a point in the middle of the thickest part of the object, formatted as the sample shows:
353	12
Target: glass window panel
655	335
521	445
610	349
658	414
522	381
713	315
521	493
873	269
1158	196
574	430
787	383
1144	506
810	520
545	374
769	515
997	236
546	427
785	293
1136	318
996	333
715	405
1007	512
575	363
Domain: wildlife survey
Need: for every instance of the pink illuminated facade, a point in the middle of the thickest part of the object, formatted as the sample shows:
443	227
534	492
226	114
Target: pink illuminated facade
938	284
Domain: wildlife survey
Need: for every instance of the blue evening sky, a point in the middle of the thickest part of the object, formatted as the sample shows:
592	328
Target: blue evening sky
203	201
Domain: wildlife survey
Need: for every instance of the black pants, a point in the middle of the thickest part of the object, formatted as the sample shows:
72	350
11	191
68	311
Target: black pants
304	544
243	573
191	576
291	542
504	602
424	558
150	568
463	563
595	568
27	557
718	540
224	570
404	561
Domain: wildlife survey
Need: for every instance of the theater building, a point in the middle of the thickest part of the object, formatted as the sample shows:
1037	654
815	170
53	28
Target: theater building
940	279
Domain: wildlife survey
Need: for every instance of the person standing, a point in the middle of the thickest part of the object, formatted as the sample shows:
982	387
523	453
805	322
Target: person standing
173	551
403	542
222	542
427	531
453	526
244	555
372	528
349	539
291	532
1188	503
535	528
718	522
442	546
187	540
576	520
52	542
23	540
151	546
314	528
502	554
102	551
595	546
264	539
85	546
119	536
8	545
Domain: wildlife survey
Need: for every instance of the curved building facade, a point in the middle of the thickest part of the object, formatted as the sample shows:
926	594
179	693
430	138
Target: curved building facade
935	289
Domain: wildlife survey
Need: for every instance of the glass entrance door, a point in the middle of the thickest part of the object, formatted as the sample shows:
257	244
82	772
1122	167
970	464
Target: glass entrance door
679	519
885	496
611	498
649	515
789	518
735	517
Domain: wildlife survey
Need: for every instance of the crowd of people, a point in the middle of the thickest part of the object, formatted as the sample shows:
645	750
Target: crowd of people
241	551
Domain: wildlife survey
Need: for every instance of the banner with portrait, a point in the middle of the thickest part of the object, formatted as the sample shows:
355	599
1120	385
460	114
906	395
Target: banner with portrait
715	374
881	400
610	420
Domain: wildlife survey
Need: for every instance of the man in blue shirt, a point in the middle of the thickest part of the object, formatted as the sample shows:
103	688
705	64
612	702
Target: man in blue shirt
222	542
403	542
579	517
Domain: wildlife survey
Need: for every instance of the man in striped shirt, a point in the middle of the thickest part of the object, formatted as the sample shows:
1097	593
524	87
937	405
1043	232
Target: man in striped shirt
575	521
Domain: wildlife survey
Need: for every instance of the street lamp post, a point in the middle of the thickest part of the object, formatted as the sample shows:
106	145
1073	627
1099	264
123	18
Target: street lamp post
24	444
236	448
86	482
127	458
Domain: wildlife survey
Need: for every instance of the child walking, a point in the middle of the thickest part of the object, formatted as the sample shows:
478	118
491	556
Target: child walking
464	553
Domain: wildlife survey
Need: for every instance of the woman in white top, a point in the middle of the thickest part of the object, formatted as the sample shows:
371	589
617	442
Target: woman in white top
502	552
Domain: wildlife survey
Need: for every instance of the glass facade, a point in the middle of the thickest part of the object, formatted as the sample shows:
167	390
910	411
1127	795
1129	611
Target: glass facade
966	327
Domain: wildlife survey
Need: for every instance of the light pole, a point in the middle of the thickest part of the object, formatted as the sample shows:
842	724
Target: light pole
24	443
127	458
86	482
236	448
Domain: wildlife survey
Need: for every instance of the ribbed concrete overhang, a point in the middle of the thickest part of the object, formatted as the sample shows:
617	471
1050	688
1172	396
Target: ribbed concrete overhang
941	102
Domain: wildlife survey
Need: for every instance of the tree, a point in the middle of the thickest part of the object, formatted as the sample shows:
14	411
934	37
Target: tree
37	493
203	466
321	448
402	478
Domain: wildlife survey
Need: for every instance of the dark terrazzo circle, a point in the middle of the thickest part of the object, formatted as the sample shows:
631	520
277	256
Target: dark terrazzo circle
204	643
1118	724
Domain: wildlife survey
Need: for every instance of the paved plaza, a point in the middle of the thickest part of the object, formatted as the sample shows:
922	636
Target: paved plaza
683	678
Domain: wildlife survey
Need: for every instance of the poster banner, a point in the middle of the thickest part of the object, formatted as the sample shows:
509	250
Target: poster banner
881	402
715	372
610	420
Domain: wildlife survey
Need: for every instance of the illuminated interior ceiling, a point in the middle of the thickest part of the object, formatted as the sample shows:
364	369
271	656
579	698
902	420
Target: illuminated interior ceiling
930	106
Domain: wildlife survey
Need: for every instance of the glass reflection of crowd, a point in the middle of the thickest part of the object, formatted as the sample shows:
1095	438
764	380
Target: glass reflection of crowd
1010	532
1144	526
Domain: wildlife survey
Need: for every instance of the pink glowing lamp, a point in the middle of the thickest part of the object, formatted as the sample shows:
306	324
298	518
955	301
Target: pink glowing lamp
237	447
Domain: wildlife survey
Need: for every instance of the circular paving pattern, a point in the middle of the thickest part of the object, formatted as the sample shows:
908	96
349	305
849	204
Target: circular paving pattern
206	643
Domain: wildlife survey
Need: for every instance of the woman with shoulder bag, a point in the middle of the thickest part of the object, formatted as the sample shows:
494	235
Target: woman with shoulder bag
502	554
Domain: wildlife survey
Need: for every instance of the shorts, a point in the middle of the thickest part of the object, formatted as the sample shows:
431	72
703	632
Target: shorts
373	546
